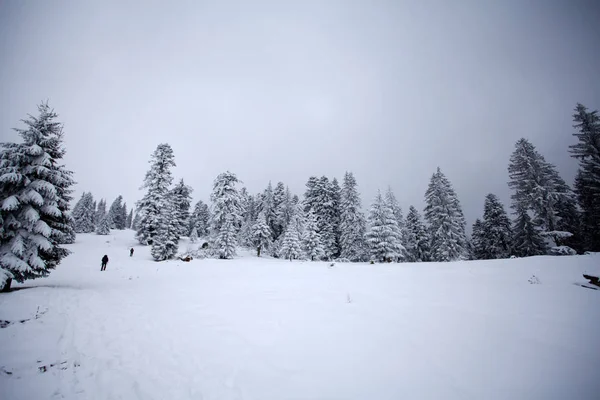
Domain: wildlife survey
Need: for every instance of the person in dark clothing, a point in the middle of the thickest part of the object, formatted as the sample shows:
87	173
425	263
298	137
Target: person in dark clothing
104	262
131	252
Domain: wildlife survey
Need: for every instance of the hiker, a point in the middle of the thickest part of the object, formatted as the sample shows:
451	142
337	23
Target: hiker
131	252
104	262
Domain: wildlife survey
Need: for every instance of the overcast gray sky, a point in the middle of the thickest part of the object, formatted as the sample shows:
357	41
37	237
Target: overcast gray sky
283	90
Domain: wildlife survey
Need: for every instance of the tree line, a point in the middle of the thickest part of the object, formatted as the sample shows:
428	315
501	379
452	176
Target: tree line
327	223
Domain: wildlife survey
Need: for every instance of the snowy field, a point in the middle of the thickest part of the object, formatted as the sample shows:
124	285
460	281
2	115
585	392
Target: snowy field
268	329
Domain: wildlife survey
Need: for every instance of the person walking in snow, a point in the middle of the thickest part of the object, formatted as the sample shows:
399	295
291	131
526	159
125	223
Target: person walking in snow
131	252
104	262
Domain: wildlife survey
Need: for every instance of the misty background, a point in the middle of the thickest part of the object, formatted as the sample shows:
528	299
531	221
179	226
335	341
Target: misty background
279	91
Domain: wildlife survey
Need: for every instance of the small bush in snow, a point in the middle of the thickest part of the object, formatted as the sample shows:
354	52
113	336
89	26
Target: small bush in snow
562	251
534	280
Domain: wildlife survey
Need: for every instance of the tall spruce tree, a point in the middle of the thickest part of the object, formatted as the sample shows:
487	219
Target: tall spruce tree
383	237
226	215
200	219
527	240
136	221
32	181
166	241
262	237
537	188
100	212
352	222
181	196
394	205
84	214
291	244
311	240
587	183
278	221
157	182
116	214
103	227
495	229
129	219
416	237
478	241
446	220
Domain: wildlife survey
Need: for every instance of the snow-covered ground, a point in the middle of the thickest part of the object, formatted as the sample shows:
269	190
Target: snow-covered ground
269	329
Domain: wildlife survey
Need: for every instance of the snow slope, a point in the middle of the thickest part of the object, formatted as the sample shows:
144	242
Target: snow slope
268	329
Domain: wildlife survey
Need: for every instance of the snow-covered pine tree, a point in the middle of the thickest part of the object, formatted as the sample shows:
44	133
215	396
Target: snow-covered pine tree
30	204
291	244
124	215
537	187
136	221
182	200
103	227
495	229
321	201
336	211
129	220
417	238
116	214
527	240
84	214
587	183
247	205
194	235
311	240
278	223
446	220
311	196
166	241
201	219
63	226
157	182
268	207
352	222
100	211
262	237
226	214
382	235
393	204
478	244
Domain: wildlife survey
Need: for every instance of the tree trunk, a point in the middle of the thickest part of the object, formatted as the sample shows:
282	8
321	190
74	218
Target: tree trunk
258	251
6	286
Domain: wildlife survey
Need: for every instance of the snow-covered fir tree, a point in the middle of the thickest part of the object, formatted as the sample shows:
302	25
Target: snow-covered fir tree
181	196
194	235
100	211
262	237
226	214
200	219
527	240
394	205
311	240
352	222
84	214
129	219
587	183
136	221
336	205
247	204
103	227
383	237
291	244
267	206
157	182
495	229
537	188
446	220
278	222
478	241
319	198
166	241
30	209
416	237
117	216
